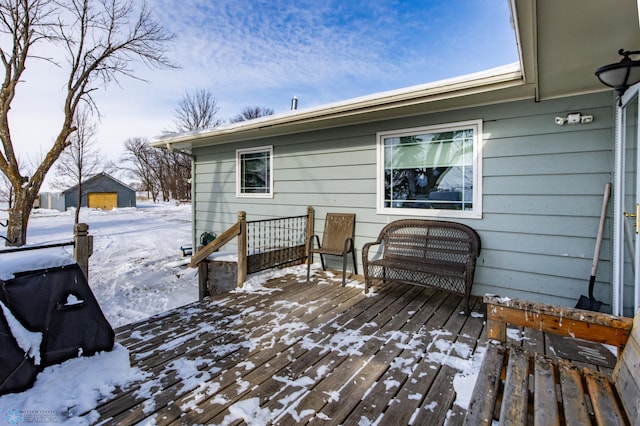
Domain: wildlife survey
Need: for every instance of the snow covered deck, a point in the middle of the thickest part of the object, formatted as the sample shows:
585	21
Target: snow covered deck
295	351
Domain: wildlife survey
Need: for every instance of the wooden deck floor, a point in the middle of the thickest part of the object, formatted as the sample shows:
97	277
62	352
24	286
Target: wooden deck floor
298	352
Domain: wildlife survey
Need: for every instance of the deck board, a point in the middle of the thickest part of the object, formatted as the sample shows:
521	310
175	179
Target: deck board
304	352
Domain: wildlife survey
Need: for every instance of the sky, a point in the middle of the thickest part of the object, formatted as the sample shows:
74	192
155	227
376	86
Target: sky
264	52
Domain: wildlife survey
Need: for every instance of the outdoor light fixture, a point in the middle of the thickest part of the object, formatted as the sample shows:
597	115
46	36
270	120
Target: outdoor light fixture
620	75
574	118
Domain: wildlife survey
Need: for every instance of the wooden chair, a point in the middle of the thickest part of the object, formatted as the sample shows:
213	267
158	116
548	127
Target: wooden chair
337	240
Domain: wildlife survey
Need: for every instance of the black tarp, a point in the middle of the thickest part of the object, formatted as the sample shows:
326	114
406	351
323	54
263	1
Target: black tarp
58	303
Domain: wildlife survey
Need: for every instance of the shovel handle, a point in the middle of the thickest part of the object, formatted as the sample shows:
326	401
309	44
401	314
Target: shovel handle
603	214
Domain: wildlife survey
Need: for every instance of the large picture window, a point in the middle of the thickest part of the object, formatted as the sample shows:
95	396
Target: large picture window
431	171
254	172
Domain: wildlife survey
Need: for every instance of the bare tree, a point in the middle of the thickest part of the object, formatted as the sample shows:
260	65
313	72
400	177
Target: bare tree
142	165
80	160
100	39
196	111
6	190
251	112
159	171
27	166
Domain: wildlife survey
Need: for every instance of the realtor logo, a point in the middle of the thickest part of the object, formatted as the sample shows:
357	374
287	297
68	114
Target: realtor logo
13	417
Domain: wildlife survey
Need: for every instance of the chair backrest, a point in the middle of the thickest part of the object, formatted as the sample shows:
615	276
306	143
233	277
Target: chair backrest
337	228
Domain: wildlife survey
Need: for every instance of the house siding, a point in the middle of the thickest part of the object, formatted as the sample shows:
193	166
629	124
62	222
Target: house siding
542	190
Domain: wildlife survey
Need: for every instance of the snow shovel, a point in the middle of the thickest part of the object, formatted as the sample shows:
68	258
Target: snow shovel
590	303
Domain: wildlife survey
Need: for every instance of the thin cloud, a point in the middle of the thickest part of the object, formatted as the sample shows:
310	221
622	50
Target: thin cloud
264	52
271	44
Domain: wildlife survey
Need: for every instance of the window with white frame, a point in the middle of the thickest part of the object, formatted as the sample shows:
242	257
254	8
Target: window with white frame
431	171
254	172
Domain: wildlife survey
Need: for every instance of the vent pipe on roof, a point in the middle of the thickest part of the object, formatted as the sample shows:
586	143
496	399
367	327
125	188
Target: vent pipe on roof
294	103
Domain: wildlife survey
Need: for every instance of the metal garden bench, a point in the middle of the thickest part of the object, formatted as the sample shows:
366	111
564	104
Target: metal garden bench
425	252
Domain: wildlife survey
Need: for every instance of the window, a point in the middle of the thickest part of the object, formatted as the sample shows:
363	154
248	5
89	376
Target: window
253	172
431	171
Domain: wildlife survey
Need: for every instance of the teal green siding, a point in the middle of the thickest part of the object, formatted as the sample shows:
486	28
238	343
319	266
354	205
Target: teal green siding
542	190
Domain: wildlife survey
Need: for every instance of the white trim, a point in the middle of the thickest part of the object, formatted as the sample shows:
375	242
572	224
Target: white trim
509	75
239	152
618	221
478	141
617	282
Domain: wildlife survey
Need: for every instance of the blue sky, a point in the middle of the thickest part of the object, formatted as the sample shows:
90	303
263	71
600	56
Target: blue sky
262	53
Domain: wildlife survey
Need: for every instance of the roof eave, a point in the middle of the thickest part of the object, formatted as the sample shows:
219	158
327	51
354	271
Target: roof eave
351	111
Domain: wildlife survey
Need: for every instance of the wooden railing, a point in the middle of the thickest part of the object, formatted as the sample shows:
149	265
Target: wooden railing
274	243
262	244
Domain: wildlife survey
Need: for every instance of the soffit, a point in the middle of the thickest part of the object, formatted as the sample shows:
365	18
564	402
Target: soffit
575	37
441	96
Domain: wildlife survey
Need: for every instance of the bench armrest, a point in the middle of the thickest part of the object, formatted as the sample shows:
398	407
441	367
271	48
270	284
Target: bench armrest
365	249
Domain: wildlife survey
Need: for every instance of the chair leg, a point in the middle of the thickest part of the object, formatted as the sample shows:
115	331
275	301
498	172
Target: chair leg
344	269
324	268
310	256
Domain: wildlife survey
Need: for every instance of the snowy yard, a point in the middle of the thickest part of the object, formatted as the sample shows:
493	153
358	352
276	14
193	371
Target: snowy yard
136	269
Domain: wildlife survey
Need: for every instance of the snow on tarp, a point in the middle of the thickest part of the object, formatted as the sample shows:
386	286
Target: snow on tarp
66	390
33	260
28	341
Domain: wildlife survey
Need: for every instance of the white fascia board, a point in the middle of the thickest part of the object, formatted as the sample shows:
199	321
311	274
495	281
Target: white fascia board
467	84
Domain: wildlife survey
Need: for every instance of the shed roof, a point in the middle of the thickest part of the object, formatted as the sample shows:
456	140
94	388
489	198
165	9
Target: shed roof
95	177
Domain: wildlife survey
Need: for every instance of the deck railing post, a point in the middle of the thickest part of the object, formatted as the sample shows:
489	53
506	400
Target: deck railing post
203	279
310	229
242	248
83	247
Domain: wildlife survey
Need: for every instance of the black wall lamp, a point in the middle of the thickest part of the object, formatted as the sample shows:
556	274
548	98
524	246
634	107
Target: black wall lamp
620	75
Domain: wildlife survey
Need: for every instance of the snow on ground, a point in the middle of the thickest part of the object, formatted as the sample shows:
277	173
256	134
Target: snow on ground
135	272
136	269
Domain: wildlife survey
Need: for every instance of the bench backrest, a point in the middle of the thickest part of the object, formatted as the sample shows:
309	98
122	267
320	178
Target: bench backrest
430	239
626	375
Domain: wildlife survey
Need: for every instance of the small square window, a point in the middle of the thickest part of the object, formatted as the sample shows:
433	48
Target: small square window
254	172
431	171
